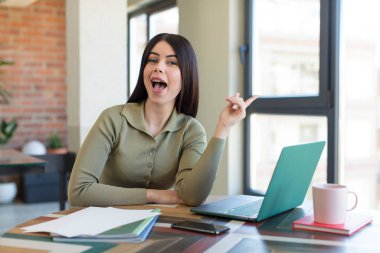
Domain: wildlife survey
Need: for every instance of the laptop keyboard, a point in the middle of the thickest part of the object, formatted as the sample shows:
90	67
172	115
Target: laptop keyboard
249	209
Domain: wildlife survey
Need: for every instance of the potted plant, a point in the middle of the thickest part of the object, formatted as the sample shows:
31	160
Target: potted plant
8	185
8	189
54	145
5	95
6	130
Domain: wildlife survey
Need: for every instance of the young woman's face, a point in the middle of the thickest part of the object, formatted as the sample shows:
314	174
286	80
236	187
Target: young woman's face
162	76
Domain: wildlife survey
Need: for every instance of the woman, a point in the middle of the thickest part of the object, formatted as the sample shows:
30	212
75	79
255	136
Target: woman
152	149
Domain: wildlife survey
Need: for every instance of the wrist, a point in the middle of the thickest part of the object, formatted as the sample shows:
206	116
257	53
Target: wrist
150	196
221	131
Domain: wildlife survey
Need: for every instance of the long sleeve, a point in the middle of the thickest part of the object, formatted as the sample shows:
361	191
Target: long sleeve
194	184
119	160
85	186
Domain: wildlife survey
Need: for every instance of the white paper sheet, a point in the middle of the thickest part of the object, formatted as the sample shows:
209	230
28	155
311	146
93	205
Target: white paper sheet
90	221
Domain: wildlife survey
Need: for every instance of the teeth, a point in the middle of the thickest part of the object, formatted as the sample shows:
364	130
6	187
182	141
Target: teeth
158	82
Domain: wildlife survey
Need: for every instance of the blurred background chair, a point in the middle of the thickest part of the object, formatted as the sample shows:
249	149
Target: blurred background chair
51	185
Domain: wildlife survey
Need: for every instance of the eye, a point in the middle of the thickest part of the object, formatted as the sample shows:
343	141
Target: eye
152	60
173	62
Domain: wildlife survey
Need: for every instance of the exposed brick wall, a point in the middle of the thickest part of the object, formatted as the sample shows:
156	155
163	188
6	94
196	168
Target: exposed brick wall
34	38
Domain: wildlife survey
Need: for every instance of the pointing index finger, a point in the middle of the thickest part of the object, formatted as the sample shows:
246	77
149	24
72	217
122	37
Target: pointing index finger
250	100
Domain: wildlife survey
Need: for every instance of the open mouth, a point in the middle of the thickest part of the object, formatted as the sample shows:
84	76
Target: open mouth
158	84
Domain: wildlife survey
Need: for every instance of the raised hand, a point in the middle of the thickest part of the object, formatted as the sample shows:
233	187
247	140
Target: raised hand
231	114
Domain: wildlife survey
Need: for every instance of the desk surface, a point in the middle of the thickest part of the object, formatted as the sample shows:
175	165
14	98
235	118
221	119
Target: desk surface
13	158
272	235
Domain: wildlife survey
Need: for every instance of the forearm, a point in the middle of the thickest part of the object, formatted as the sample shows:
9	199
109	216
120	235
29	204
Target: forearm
86	189
96	194
194	184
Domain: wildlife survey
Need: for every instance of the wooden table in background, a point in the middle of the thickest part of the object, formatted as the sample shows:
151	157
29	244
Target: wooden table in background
13	162
272	235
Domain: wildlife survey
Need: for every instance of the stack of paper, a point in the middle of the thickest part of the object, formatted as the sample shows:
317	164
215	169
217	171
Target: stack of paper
100	224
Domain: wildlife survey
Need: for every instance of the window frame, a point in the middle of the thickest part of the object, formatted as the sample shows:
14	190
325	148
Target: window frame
325	104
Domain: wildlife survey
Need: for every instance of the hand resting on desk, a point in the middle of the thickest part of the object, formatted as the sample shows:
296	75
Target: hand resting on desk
163	196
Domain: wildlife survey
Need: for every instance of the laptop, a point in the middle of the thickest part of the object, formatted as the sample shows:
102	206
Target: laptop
287	189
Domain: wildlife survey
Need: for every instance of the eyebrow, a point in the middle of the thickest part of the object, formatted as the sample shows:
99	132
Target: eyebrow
168	56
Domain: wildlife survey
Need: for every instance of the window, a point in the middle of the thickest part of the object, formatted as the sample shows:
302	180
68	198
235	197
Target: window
137	42
271	132
143	24
292	65
286	42
360	99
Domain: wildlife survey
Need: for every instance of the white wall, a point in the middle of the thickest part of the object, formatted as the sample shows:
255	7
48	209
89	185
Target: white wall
96	62
215	29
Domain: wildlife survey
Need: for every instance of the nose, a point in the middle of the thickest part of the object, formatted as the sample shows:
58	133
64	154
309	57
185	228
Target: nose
159	66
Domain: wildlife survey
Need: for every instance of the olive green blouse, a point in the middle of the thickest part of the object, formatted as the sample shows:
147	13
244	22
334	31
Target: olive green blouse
119	159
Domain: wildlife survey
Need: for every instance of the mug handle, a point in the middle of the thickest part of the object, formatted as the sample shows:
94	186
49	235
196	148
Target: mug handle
356	201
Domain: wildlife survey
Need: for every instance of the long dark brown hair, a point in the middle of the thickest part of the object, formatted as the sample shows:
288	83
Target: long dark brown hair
188	98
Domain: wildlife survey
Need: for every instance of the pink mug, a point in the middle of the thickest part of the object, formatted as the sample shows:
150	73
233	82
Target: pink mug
330	203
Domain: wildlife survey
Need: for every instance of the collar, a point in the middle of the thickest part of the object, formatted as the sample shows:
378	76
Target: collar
134	113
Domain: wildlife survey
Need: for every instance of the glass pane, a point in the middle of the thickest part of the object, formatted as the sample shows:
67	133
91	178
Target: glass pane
270	133
286	47
360	97
137	43
164	22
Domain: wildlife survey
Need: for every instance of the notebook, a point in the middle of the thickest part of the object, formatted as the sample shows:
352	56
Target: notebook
354	222
287	188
